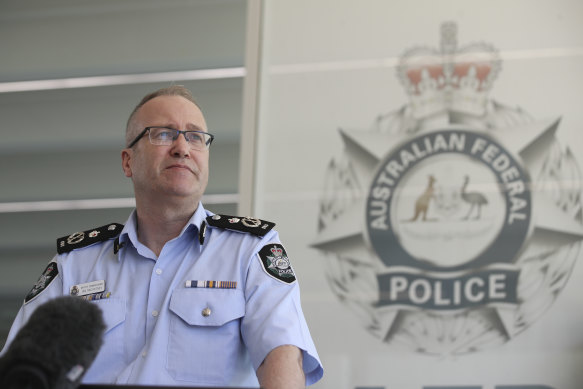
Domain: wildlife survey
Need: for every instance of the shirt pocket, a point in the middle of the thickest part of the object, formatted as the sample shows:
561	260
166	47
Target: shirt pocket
205	339
111	357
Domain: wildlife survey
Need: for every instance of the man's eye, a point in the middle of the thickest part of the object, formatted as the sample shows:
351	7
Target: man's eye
164	135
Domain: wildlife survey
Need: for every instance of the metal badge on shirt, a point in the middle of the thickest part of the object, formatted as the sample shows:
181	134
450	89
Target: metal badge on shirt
88	288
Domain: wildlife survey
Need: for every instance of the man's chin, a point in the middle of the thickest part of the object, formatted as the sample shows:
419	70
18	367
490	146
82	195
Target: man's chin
186	194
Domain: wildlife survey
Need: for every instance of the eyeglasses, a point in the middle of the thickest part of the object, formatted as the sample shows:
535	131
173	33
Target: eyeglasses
164	136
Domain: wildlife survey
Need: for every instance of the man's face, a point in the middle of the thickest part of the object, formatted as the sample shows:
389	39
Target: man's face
174	170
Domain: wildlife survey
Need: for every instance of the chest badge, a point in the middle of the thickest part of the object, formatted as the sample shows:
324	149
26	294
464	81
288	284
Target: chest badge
87	288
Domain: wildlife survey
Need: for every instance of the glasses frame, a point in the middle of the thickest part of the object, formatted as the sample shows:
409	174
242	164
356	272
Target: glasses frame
147	129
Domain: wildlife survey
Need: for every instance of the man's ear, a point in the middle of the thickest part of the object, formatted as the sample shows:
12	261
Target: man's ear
126	156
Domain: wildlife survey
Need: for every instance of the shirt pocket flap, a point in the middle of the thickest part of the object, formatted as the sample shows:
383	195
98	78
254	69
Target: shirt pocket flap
114	312
208	306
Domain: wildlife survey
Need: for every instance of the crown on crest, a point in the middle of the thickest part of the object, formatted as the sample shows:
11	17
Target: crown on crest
277	252
449	79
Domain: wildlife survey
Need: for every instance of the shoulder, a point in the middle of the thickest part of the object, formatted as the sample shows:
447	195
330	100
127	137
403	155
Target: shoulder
270	253
242	224
85	238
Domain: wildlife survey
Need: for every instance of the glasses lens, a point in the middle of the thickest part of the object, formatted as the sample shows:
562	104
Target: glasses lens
162	136
197	140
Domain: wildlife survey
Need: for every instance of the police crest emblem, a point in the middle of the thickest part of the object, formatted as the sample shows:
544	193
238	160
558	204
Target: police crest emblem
44	280
276	263
470	230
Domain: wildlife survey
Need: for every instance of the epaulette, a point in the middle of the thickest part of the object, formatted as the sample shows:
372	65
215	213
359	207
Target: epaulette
249	225
86	238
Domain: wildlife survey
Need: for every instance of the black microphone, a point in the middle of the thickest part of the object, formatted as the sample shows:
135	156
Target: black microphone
54	349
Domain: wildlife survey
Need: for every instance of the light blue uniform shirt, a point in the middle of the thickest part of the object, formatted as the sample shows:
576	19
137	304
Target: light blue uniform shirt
156	331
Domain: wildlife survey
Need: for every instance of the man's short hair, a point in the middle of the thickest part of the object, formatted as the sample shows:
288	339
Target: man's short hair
174	90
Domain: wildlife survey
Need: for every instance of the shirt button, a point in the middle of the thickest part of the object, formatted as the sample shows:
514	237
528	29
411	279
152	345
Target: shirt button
206	312
158	271
155	313
144	354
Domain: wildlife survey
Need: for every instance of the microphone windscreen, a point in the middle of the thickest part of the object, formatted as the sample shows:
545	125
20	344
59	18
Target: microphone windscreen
56	346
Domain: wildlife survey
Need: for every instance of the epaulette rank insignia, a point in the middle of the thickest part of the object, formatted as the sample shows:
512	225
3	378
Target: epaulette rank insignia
87	238
249	225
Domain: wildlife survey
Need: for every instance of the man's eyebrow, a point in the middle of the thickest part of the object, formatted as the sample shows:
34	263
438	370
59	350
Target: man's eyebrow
194	127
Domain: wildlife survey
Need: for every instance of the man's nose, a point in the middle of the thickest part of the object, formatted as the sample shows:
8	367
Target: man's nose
180	146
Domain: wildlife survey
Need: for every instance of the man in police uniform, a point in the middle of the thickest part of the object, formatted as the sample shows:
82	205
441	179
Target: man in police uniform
189	298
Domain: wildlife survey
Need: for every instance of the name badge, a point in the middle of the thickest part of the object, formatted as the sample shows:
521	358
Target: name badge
88	288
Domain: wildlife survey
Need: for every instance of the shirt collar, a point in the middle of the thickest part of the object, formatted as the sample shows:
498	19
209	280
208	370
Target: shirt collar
130	231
